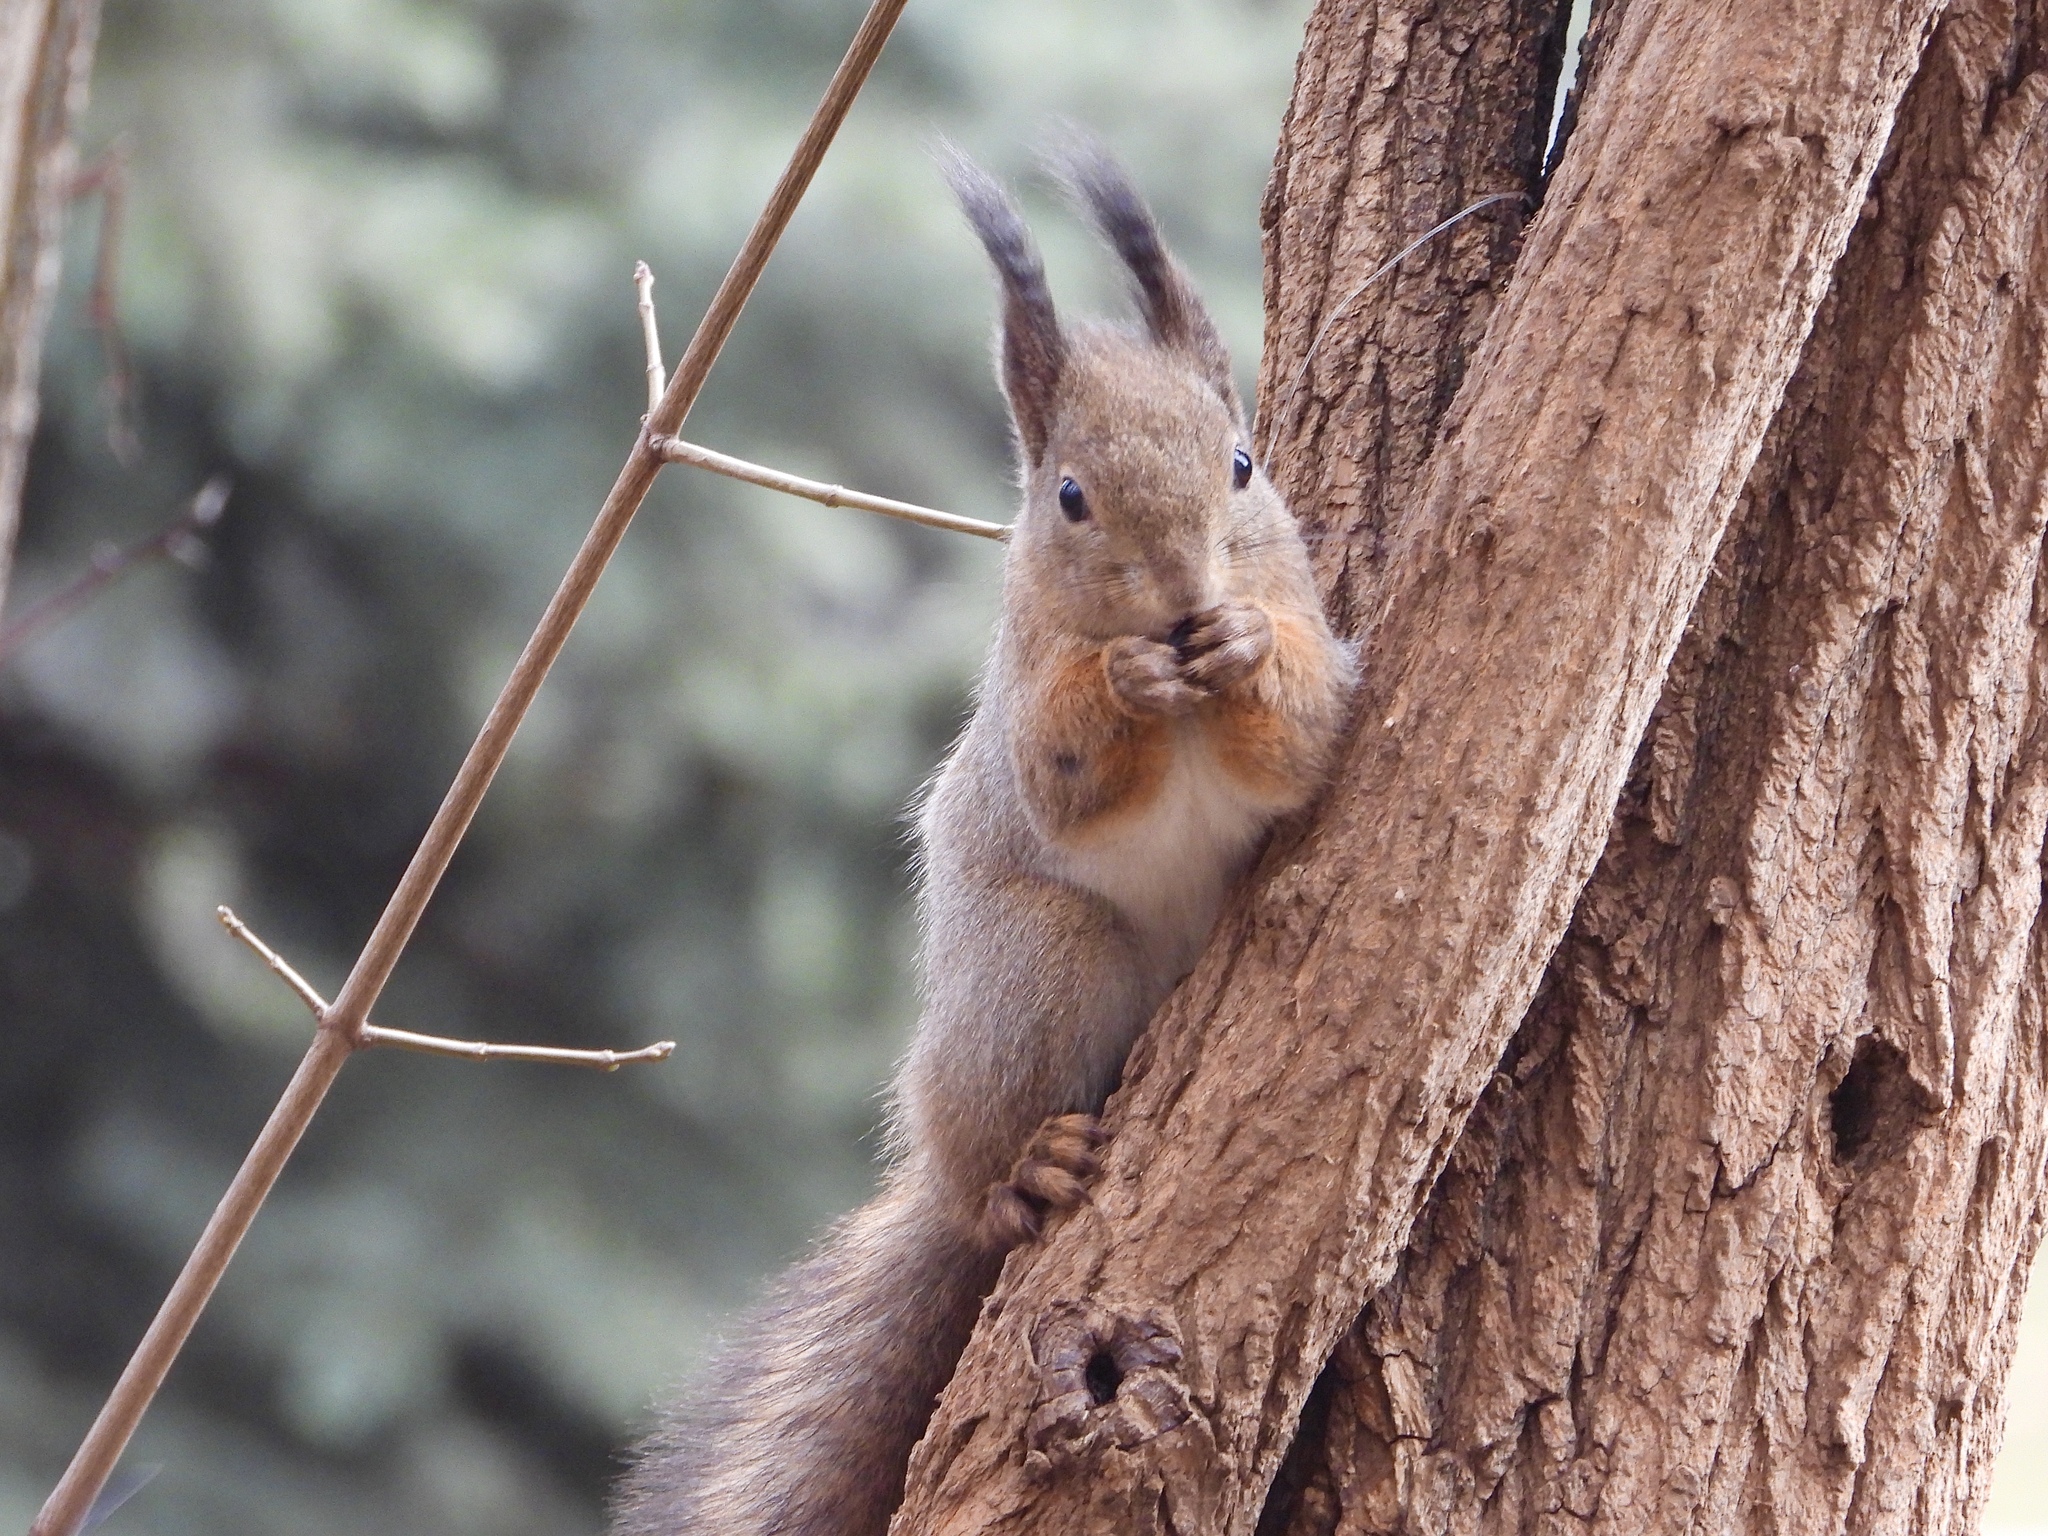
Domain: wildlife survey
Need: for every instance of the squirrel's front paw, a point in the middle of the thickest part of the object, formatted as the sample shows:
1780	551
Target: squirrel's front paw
1223	645
1051	1176
1147	676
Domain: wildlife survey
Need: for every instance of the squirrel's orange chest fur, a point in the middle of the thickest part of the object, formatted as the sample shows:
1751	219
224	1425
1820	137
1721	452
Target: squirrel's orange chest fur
1166	853
1158	815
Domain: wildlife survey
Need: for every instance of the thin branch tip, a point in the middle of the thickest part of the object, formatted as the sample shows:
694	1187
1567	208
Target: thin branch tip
675	450
181	539
488	1050
282	968
650	334
211	501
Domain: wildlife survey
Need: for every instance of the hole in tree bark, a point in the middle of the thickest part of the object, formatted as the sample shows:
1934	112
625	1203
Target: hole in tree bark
1303	1499
1990	1159
1103	1376
1871	1094
1107	1382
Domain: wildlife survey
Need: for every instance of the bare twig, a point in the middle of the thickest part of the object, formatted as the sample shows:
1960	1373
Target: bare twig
676	451
180	539
657	380
485	1050
338	1034
372	1035
315	1003
108	176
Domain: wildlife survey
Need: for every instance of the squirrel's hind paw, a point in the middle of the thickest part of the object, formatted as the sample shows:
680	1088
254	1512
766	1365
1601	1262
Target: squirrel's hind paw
1051	1176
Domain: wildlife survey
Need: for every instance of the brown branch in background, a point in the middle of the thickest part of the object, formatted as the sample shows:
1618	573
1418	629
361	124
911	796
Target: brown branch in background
371	1035
337	1037
46	49
108	176
676	451
182	539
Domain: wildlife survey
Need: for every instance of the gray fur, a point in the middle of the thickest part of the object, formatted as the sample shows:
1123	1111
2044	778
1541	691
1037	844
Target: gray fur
1173	311
1032	349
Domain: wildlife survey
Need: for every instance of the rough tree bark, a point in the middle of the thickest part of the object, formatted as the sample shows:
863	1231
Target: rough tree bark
45	58
1736	1236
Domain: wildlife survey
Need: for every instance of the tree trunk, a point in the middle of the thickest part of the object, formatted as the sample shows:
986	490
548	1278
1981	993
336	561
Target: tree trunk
45	56
1737	1234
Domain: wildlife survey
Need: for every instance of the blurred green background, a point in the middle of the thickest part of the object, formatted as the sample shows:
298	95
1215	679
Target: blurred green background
377	267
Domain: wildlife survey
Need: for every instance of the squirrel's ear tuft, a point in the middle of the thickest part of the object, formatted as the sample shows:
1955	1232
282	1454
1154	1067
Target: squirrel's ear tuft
1033	349
1174	312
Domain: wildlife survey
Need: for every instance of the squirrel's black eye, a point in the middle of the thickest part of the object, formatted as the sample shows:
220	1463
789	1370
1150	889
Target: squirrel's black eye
1240	469
1072	502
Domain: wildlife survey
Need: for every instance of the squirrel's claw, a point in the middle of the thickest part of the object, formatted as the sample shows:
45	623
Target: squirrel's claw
1148	677
1225	645
1051	1176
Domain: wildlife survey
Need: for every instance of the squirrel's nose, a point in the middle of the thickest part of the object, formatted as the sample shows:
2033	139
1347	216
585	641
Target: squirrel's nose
1182	586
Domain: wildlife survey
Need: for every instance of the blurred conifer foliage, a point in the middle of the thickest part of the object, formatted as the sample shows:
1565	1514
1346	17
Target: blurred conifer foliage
377	266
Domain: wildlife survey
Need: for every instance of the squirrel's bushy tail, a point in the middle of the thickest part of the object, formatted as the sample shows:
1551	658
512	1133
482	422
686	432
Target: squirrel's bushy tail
804	1422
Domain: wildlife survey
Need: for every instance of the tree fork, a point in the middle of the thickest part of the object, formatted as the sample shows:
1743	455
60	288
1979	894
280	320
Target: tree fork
1357	375
1290	1110
1740	1237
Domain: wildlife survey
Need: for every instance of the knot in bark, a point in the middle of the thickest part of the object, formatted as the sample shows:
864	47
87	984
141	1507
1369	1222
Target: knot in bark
1106	1380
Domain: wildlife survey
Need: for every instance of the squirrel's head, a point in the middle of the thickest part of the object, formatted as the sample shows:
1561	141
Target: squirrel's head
1140	492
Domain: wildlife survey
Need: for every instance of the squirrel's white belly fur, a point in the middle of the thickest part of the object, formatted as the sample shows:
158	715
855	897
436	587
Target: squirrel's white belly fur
1167	868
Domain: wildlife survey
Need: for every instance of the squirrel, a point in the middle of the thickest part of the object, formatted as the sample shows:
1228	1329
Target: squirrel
1162	687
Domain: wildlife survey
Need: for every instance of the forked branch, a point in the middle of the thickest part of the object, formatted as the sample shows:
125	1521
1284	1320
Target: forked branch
368	1035
180	539
676	451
